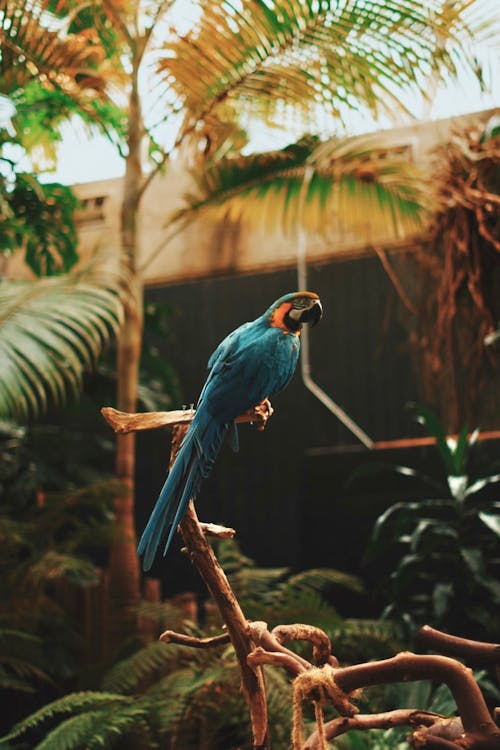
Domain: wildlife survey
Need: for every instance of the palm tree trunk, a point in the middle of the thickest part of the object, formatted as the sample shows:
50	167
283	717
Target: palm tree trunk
124	566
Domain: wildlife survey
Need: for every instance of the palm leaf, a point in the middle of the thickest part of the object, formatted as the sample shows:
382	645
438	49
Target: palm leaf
343	54
355	189
51	331
35	45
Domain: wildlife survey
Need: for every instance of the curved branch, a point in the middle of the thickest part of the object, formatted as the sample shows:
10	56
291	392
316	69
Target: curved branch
471	651
387	720
408	667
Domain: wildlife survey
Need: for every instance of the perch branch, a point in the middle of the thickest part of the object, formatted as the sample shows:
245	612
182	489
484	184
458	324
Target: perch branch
122	422
322	647
387	720
408	667
472	651
205	561
221	532
170	636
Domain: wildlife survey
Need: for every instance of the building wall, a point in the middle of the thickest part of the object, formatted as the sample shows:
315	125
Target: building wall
208	248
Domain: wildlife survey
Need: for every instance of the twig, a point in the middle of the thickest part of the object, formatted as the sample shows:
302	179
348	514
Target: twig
322	647
221	532
170	636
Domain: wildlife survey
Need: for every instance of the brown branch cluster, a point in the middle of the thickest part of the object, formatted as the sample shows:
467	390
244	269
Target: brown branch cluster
320	678
323	680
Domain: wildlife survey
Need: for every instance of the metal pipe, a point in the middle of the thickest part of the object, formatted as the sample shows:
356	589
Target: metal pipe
305	365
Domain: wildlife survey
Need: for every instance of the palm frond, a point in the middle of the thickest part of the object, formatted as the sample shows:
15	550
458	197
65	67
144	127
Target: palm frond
51	331
340	54
36	45
358	189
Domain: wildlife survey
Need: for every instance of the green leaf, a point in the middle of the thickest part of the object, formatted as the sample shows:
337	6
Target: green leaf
74	703
51	332
491	521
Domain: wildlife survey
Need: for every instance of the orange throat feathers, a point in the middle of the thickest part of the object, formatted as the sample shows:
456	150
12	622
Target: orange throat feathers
277	318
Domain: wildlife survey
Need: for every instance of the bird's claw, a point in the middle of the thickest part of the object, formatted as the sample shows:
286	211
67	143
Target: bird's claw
263	411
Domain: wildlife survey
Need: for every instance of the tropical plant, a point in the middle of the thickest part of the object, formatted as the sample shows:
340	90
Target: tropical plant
51	331
238	61
437	558
188	697
460	293
49	545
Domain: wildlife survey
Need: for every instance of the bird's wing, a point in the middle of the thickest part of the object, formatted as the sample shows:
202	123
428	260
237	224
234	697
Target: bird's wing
258	362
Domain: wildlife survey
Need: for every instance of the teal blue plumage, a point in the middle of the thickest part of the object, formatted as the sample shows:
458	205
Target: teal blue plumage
254	362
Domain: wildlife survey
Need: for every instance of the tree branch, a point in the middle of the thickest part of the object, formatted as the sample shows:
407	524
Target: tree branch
476	652
170	636
122	422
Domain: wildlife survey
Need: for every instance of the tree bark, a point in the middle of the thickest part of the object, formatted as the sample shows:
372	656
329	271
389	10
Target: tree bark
124	564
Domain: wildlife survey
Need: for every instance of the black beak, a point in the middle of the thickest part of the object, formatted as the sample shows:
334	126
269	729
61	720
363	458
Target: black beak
313	315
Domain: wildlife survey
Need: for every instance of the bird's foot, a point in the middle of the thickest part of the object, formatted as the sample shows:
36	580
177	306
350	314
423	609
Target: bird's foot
262	412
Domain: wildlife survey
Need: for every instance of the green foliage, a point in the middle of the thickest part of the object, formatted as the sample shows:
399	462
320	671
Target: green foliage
439	556
47	230
169	695
51	331
310	182
47	542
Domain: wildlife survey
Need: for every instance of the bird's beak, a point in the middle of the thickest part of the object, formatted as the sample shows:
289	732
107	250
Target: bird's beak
313	314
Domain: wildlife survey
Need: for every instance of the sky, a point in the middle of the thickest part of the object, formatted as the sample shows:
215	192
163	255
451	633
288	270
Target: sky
84	158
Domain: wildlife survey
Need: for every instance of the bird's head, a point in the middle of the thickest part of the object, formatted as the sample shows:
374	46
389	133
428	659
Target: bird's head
292	310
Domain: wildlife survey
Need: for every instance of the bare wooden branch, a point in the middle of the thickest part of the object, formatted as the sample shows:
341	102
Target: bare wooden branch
475	652
205	561
387	720
221	532
409	667
122	422
322	648
324	680
170	636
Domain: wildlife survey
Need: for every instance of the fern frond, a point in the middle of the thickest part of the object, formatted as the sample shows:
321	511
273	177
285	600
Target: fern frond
321	579
142	665
74	703
53	566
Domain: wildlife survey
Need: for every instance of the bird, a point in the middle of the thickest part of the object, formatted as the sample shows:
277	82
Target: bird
254	362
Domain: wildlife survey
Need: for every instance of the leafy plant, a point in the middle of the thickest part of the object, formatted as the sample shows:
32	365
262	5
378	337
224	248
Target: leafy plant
48	542
439	557
170	695
51	331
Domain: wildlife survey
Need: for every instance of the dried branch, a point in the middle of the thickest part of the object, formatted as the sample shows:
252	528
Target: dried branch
221	532
322	648
205	561
476	652
387	720
170	636
408	667
324	680
122	422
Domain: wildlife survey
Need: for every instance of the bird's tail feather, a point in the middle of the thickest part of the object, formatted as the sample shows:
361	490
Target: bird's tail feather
193	463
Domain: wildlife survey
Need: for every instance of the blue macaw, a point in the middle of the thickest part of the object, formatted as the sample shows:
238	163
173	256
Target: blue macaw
254	362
